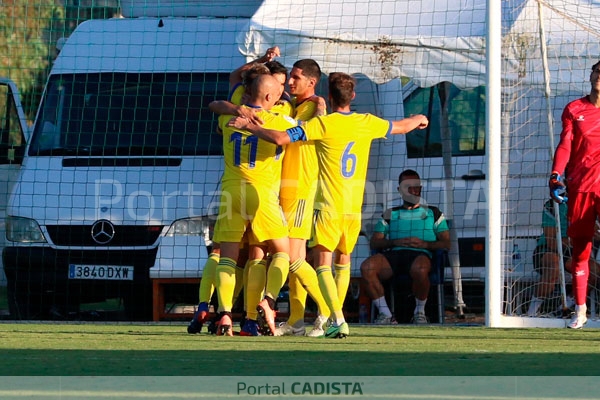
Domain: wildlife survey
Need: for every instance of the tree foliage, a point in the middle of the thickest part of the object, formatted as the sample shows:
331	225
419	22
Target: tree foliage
28	31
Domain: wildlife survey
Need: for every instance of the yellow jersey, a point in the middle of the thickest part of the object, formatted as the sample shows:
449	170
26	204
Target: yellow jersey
283	107
250	159
305	110
342	143
236	94
300	165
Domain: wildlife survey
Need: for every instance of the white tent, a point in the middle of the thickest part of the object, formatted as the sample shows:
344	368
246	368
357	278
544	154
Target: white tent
428	41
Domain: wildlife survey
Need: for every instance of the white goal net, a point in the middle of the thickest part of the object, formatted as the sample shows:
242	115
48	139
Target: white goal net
165	61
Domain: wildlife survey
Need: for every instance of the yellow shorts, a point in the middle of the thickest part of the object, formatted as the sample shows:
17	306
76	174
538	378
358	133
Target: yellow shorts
335	231
239	209
299	216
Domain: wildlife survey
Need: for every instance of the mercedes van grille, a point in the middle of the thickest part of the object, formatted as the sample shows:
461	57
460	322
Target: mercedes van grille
124	235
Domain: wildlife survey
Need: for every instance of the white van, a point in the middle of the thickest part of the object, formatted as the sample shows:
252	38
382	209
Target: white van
121	175
14	133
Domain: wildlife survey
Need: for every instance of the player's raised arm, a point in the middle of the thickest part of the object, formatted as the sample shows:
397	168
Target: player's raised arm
408	124
236	76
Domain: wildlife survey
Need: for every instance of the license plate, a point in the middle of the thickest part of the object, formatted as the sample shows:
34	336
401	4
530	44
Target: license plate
102	272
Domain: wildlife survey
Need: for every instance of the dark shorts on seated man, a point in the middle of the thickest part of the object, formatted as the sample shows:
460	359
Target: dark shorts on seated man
401	260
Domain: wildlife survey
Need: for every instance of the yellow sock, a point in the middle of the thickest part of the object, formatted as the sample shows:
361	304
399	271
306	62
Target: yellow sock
257	276
277	274
342	281
308	277
207	283
297	299
329	291
225	283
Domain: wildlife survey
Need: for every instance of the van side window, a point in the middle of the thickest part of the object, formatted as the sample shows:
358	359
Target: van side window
466	120
12	138
123	114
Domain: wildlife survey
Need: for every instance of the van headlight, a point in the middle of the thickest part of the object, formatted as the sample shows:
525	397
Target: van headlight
195	226
23	230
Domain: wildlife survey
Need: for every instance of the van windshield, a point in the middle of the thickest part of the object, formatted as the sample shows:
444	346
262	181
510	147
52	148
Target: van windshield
124	114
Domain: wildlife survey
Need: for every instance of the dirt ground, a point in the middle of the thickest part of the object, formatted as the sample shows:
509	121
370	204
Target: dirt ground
451	317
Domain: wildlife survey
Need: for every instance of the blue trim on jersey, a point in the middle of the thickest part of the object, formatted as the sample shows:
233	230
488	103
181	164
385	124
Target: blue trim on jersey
296	134
390	128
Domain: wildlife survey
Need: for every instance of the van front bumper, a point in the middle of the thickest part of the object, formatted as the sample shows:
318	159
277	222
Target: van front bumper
39	270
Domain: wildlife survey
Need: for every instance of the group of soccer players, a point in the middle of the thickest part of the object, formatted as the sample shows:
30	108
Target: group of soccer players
285	158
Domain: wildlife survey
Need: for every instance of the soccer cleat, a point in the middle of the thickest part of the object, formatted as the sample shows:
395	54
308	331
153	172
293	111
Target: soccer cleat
195	326
198	320
250	328
285	329
318	328
224	326
383	319
419	319
266	318
577	321
211	326
337	331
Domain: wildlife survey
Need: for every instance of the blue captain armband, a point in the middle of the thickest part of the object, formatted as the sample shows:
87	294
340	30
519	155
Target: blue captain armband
296	134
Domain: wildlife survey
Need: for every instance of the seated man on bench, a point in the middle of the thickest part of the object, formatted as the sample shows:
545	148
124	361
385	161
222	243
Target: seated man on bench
405	239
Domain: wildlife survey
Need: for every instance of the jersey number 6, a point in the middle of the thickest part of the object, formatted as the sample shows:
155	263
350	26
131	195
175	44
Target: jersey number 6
348	162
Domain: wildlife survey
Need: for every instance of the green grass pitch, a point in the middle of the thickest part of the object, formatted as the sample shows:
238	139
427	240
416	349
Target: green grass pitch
44	349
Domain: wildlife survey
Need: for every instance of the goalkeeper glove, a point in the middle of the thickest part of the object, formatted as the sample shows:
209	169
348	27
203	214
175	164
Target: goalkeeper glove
557	188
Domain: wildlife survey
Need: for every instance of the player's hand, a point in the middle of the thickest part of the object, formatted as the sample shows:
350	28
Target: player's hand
251	114
239	122
422	121
242	123
557	188
271	53
321	105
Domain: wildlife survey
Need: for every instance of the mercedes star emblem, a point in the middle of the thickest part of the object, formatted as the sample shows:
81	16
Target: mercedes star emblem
103	231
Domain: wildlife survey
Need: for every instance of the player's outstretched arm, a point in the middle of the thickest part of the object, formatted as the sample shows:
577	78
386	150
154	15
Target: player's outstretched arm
408	124
270	135
223	107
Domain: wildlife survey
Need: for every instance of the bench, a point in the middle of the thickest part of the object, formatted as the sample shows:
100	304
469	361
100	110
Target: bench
158	298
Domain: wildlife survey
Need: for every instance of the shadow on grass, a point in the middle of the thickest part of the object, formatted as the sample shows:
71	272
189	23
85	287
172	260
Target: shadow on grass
296	363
